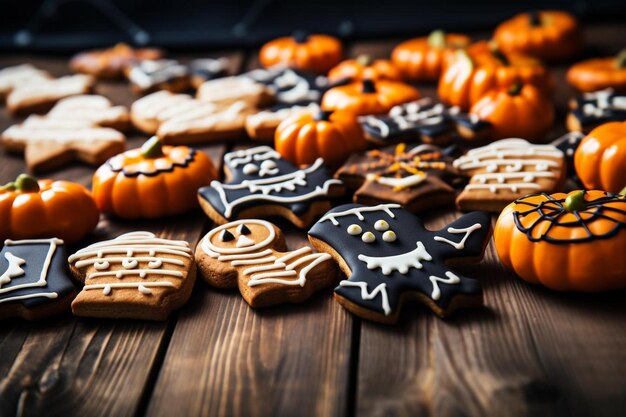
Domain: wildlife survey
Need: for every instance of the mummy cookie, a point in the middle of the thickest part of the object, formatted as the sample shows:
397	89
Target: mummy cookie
206	69
163	74
506	170
19	75
593	109
389	258
414	178
260	184
250	255
136	275
262	126
423	120
111	62
42	95
149	112
34	281
228	90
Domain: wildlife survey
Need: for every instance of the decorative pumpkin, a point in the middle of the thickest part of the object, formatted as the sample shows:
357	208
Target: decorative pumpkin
599	73
482	68
316	53
364	68
31	208
369	97
425	58
600	159
331	136
152	181
567	242
549	35
519	111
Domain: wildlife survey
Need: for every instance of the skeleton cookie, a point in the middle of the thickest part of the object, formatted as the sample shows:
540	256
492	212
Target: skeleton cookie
260	183
389	258
249	254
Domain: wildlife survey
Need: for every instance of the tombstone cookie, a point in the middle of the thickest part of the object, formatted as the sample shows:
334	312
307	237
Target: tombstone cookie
34	281
415	178
162	74
423	120
136	275
42	95
389	258
506	170
111	62
259	183
250	255
593	109
16	76
206	69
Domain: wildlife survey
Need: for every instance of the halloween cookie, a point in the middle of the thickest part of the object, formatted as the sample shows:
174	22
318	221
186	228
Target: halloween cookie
98	110
262	126
290	86
416	178
152	181
228	90
42	95
111	62
250	255
508	169
593	109
423	120
19	75
136	275
34	282
150	111
389	258
162	74
259	183
316	53
566	242
206	69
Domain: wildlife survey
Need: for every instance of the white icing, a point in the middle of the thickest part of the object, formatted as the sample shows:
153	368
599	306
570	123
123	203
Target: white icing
365	295
368	237
381	225
14	270
452	279
250	169
354	229
50	89
259	153
142	287
244	242
401	263
389	236
358	212
268	167
467	231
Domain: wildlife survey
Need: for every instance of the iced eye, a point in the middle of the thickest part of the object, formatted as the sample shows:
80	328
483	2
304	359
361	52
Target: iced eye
354	229
368	237
250	169
389	236
268	168
242	229
381	225
226	236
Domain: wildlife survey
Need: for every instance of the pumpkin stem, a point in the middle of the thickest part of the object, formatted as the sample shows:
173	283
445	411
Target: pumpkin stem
323	115
300	36
498	54
152	148
24	182
364	60
437	39
575	201
620	59
368	86
534	18
516	89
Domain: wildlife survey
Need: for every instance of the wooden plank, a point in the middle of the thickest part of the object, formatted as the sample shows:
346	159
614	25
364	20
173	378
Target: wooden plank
74	366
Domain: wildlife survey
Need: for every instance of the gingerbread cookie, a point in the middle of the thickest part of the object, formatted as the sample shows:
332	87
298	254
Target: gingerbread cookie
262	126
423	120
593	109
414	178
34	282
389	258
19	75
250	254
163	74
150	111
93	109
136	275
508	169
206	69
42	95
259	183
228	90
111	62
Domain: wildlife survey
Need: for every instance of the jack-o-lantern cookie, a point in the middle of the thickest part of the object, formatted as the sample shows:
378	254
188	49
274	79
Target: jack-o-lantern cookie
250	254
136	275
260	183
389	258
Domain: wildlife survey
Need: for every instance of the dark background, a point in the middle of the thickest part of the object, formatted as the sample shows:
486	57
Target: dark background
70	25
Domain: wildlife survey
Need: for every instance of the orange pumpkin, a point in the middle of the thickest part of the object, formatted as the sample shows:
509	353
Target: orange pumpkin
520	111
316	53
152	181
31	208
331	136
482	68
549	35
369	97
600	159
567	242
364	68
599	73
425	58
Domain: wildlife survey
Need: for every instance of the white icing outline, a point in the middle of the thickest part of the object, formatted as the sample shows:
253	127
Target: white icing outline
357	212
452	279
401	263
365	295
466	230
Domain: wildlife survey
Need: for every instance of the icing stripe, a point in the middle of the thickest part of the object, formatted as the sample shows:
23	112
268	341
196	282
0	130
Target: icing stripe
357	212
365	295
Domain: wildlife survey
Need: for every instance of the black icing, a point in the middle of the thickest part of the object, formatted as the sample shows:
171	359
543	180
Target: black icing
57	279
599	107
243	230
226	236
409	230
183	164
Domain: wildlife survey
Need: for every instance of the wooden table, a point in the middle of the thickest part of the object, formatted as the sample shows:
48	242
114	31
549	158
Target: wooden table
529	352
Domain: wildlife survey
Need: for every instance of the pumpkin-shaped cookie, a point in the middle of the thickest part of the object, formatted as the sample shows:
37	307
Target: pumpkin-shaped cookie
521	111
152	181
316	53
364	67
45	209
483	67
424	58
599	73
369	97
567	242
600	159
549	35
331	136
